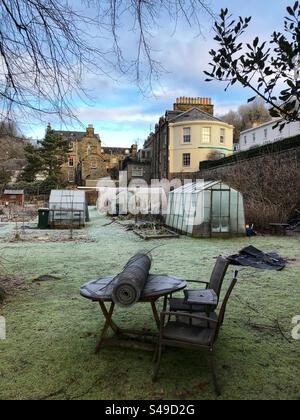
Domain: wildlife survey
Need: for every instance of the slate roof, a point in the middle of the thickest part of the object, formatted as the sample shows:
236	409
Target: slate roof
115	150
170	115
194	114
73	135
14	192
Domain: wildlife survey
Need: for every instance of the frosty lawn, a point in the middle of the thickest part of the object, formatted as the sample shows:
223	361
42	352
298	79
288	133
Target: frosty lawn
52	331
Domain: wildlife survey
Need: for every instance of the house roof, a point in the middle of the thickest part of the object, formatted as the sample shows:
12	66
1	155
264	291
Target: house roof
73	135
266	124
170	115
194	114
116	150
14	192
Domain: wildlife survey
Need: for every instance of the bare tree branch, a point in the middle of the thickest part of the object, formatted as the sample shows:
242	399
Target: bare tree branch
47	47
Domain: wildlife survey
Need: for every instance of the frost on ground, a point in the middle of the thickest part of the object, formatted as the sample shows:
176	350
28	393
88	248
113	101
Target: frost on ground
52	331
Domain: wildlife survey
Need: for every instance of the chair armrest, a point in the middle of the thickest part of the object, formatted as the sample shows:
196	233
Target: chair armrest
163	316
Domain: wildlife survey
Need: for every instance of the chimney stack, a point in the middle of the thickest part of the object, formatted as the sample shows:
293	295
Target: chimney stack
134	151
90	130
203	104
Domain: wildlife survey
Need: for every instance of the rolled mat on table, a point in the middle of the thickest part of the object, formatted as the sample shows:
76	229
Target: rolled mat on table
129	284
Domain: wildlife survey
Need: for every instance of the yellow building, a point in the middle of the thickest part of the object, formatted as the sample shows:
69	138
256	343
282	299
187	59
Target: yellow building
196	136
184	137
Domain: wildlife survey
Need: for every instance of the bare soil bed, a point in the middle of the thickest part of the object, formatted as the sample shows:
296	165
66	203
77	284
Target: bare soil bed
10	285
43	236
18	214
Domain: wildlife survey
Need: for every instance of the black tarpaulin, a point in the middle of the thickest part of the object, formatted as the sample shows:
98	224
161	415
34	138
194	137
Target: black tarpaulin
253	257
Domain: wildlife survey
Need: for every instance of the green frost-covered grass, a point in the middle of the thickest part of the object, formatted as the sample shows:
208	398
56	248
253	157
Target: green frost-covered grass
52	331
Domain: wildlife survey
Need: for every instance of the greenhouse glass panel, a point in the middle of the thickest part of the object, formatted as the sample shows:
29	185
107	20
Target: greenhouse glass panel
207	209
234	211
225	211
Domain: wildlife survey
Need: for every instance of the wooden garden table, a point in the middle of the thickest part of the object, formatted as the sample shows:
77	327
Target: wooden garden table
157	286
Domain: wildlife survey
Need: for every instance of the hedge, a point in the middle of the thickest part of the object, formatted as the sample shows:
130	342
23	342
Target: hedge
279	146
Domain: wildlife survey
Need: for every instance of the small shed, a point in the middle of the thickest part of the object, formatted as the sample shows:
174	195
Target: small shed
14	197
206	209
68	208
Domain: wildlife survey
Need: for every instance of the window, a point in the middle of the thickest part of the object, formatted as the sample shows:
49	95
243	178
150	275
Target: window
206	135
186	159
187	135
222	135
93	164
245	139
266	133
90	149
71	176
137	172
254	137
71	162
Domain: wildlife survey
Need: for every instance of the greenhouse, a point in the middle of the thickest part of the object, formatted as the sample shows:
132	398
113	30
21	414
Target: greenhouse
68	208
206	209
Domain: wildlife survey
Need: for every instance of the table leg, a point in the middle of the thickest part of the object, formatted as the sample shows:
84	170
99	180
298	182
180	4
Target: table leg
155	313
165	303
108	323
108	317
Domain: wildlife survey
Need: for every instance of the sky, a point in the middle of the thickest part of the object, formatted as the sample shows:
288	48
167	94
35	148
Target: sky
123	115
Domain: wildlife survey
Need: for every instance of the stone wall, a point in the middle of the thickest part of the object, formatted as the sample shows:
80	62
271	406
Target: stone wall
270	184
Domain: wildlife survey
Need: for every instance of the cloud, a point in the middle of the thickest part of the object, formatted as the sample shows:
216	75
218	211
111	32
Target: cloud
119	111
134	115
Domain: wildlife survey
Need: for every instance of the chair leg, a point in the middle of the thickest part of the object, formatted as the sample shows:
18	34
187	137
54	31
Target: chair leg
157	367
155	356
214	375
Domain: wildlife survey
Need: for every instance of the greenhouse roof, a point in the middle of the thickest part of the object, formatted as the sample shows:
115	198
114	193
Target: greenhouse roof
195	187
67	196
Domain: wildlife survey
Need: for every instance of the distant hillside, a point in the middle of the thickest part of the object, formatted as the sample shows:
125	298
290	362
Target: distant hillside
12	156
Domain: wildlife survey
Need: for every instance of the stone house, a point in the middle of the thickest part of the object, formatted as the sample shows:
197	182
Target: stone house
87	160
135	166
